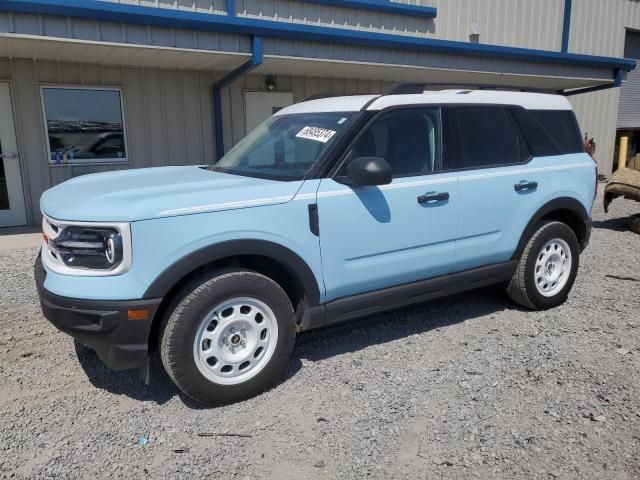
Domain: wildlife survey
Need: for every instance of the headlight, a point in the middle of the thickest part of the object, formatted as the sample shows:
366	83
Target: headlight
80	248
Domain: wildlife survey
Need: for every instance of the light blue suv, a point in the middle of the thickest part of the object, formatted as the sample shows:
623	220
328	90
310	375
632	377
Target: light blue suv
332	209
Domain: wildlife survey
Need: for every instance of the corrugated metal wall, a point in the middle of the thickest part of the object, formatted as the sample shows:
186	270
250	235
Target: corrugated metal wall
79	29
524	23
598	28
629	111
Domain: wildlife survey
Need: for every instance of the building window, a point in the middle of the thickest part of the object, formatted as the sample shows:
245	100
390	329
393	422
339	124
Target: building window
84	125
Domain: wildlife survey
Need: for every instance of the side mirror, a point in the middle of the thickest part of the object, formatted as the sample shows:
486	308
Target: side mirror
369	171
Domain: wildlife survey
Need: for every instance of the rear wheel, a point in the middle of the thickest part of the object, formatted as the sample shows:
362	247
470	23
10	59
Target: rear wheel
547	268
229	337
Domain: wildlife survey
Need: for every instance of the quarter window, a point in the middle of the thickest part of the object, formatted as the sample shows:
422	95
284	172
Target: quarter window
407	139
550	132
84	125
487	137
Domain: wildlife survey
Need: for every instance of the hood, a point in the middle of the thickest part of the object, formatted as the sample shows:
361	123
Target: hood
130	195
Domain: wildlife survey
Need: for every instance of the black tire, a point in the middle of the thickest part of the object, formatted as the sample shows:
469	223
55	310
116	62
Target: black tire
634	223
522	288
184	317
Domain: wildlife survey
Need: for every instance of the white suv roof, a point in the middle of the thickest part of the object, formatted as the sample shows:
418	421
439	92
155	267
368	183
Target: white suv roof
528	100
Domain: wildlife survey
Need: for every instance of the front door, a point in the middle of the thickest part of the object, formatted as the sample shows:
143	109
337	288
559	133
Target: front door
375	237
12	209
261	105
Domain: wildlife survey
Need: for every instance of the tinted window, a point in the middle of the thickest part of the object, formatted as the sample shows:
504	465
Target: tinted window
84	125
407	139
550	132
487	137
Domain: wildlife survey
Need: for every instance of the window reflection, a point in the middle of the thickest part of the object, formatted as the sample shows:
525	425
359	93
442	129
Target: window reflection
84	125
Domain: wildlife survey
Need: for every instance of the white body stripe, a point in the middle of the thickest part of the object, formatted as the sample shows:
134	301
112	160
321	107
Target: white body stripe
347	191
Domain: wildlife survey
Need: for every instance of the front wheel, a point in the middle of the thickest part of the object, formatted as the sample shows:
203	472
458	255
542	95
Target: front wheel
547	268
229	337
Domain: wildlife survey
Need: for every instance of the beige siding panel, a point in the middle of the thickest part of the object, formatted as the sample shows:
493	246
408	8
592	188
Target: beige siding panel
597	113
29	126
192	104
174	118
156	118
207	126
598	26
522	23
138	138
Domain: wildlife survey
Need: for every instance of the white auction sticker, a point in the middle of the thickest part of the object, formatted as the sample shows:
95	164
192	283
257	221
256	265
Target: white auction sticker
316	133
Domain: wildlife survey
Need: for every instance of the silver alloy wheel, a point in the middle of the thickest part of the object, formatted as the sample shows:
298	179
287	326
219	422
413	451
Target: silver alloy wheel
553	267
235	340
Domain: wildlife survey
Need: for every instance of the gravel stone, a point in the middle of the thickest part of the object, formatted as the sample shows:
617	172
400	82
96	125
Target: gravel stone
471	386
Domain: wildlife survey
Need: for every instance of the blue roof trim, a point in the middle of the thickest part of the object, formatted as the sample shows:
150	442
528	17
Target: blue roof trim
117	12
246	67
383	6
231	7
566	25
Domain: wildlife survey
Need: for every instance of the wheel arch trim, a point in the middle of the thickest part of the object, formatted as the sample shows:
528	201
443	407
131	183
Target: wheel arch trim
290	260
557	204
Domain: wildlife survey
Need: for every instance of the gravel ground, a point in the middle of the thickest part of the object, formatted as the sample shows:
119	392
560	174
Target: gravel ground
467	387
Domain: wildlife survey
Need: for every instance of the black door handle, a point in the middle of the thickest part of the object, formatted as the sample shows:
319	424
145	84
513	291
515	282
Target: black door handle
436	197
519	187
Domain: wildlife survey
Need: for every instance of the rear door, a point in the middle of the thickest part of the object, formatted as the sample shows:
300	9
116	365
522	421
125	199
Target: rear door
375	237
500	184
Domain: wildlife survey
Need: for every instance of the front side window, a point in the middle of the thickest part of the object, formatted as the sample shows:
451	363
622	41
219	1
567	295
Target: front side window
284	147
407	139
84	125
482	136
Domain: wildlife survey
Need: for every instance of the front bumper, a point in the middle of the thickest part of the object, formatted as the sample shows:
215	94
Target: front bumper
102	325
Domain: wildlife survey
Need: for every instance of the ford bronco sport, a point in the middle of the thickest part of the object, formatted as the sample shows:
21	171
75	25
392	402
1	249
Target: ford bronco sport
332	209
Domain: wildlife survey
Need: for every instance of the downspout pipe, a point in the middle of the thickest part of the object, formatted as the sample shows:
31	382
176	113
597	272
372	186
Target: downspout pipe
617	82
242	70
566	26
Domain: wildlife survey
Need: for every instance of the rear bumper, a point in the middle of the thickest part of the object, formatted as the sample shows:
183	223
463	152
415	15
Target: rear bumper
102	325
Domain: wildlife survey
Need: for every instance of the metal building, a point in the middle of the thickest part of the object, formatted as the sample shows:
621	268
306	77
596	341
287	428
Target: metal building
94	85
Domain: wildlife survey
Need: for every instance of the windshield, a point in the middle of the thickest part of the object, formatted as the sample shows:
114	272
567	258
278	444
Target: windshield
284	147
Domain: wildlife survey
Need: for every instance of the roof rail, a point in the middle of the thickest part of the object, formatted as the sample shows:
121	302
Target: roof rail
413	88
319	96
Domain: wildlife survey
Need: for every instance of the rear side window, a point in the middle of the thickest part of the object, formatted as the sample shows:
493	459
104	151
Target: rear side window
549	132
486	136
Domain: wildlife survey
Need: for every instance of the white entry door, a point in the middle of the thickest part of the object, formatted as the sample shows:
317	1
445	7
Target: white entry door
259	106
12	209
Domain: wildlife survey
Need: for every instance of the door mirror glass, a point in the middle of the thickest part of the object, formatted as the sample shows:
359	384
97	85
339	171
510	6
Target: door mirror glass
369	171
